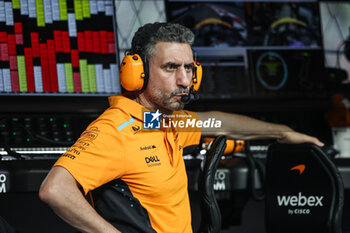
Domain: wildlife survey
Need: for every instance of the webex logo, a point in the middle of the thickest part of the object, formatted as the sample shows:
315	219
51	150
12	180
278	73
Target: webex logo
299	200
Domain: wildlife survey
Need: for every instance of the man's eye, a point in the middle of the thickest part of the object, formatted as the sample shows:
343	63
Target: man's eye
171	66
189	68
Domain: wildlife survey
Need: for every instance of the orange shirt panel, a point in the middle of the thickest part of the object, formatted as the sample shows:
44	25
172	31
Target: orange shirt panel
97	157
189	135
115	146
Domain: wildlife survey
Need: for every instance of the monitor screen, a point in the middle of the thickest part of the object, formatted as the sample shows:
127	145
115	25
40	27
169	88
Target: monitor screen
234	35
249	23
287	73
227	76
335	17
58	48
290	24
214	23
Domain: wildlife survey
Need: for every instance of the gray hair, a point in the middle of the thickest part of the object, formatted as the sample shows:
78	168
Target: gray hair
147	36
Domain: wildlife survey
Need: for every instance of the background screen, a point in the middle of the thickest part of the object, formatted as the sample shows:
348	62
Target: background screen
58	47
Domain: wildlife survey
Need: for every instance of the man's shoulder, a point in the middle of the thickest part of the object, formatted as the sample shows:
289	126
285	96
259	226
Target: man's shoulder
113	116
114	113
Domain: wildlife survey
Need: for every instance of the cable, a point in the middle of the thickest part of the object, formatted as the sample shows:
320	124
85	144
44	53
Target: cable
10	152
255	164
36	137
341	44
43	139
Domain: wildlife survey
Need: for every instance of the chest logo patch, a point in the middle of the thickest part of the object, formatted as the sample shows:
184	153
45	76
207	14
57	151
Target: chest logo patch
152	161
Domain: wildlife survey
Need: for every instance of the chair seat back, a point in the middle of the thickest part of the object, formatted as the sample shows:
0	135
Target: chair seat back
304	190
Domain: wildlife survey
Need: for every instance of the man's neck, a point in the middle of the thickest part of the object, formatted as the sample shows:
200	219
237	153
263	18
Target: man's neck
151	106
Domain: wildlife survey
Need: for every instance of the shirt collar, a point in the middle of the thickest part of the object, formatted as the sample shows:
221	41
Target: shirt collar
127	105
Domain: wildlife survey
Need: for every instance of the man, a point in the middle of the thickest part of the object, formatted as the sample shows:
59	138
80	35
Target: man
137	177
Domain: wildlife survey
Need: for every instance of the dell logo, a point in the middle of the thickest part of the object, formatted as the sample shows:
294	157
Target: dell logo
152	159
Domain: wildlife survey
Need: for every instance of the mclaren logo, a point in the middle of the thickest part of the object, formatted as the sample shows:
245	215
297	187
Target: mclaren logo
152	161
300	168
136	128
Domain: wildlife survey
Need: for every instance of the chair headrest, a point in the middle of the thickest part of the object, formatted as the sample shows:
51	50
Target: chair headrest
211	219
304	190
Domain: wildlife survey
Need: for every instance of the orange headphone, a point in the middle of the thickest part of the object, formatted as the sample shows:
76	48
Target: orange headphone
134	74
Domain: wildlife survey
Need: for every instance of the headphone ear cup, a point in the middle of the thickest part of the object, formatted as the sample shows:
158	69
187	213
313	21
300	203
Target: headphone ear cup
132	74
197	76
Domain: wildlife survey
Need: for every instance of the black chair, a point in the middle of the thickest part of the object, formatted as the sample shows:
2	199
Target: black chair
210	211
5	227
304	191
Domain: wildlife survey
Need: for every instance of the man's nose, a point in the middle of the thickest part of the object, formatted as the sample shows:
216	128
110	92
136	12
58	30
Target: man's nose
183	78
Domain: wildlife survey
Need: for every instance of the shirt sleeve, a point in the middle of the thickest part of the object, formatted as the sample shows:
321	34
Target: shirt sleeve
97	157
191	135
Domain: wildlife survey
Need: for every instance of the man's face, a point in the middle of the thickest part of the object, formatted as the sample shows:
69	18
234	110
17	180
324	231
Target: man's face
170	74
